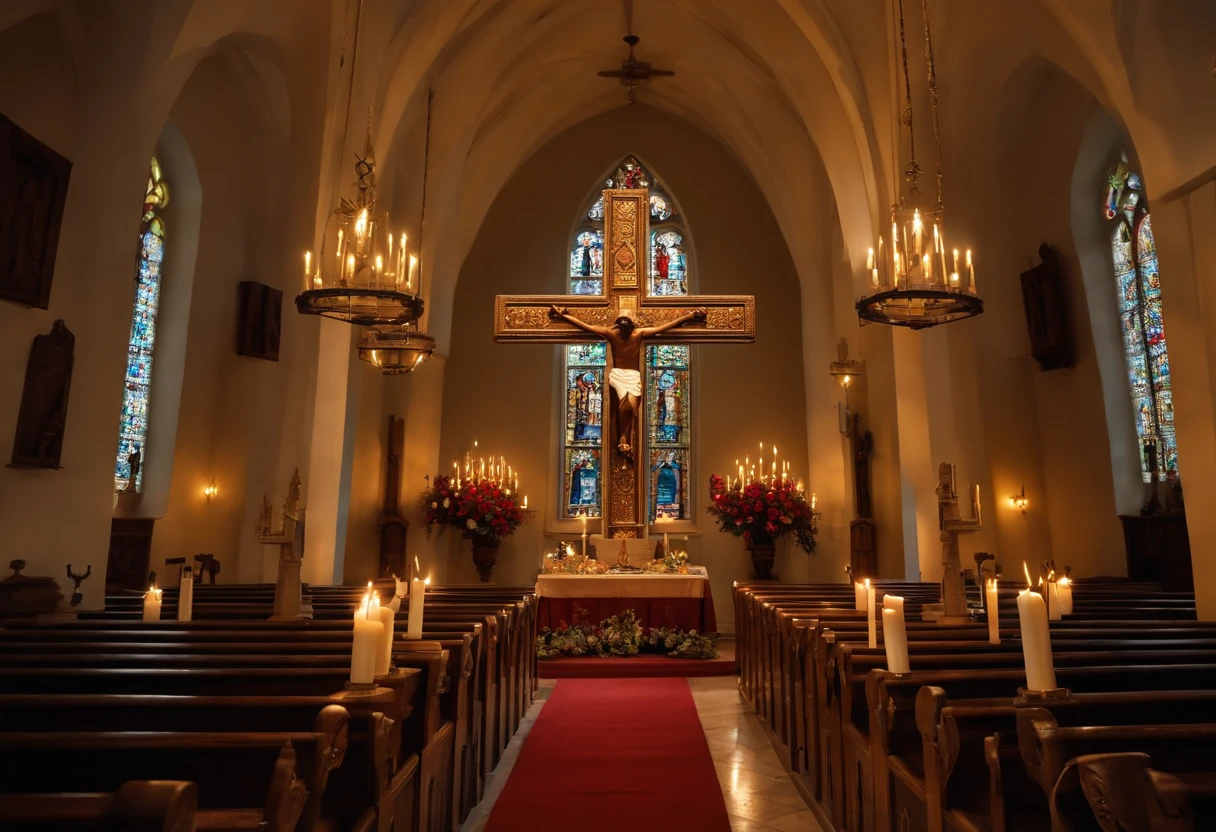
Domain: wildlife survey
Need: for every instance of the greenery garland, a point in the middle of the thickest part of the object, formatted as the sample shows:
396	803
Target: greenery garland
621	635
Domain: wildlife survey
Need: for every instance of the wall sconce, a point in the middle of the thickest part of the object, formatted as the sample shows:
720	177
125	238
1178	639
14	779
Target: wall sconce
1020	501
211	490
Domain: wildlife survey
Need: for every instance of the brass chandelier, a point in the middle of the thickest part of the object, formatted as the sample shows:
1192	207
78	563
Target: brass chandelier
363	274
915	279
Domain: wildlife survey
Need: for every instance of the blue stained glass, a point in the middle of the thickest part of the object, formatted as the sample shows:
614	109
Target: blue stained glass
581	493
1143	325
587	263
586	355
133	423
667	355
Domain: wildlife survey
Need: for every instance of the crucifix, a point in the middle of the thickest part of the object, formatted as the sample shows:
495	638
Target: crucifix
627	316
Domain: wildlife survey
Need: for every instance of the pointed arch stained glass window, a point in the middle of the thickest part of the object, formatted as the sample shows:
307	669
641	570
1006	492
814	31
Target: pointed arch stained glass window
1138	284
133	428
668	366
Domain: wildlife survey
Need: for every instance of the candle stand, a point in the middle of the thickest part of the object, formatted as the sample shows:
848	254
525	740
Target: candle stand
288	600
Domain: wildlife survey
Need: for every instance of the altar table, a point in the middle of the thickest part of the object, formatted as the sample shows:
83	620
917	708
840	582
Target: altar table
681	601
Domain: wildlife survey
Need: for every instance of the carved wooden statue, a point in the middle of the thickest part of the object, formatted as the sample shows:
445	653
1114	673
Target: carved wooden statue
288	597
44	399
952	609
393	526
33	190
862	550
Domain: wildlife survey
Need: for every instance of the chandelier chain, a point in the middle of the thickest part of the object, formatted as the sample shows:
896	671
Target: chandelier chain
932	72
912	169
426	171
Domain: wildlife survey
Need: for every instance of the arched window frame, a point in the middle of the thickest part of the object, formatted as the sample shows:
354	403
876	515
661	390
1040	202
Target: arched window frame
1138	295
665	216
141	344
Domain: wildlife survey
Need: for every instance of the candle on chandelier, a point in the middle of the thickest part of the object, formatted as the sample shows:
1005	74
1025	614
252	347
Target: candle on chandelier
384	656
307	264
1036	639
409	280
918	231
970	272
365	648
152	602
525	502
994	612
895	634
583	517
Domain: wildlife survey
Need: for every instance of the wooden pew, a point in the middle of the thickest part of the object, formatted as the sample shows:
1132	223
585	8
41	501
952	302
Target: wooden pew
136	806
245	780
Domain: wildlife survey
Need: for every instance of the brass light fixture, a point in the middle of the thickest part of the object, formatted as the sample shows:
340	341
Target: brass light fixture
915	279
365	275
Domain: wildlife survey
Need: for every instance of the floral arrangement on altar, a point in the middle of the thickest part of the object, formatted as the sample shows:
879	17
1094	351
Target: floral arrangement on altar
675	563
478	506
764	510
565	562
621	635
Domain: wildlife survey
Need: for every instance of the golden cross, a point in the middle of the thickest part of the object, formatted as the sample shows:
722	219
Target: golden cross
531	318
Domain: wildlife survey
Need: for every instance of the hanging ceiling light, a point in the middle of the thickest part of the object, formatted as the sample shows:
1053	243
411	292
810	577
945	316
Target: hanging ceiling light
916	280
362	274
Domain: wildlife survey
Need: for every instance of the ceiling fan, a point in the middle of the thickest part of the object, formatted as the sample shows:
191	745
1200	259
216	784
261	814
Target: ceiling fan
632	70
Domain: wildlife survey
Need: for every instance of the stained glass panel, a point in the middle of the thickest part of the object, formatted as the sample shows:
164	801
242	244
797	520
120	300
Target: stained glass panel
669	483
584	406
587	263
668	264
133	425
586	355
1138	283
581	482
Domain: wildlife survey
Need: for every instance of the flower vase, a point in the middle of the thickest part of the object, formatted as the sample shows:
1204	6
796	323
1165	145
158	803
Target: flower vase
485	554
763	553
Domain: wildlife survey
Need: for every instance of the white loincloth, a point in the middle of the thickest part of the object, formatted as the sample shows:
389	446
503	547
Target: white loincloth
625	382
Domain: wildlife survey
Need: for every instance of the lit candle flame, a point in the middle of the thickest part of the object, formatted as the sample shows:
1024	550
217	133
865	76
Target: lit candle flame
1026	569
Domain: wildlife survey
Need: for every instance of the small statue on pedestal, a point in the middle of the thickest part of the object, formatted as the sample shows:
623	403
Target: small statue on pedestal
288	602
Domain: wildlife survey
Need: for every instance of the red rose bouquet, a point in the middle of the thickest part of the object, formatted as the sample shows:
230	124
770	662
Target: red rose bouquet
762	512
477	506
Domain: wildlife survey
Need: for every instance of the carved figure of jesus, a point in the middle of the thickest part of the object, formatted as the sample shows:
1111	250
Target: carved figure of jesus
625	340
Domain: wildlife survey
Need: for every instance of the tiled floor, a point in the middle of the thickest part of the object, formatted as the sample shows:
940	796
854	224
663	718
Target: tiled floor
759	794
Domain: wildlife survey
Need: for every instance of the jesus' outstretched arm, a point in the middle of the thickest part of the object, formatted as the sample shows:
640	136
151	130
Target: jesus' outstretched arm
564	314
697	315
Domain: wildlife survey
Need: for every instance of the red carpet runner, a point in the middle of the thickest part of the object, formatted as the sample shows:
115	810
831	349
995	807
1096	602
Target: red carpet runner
614	755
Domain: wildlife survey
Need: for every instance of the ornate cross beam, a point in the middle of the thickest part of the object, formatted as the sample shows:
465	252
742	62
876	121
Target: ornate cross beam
687	319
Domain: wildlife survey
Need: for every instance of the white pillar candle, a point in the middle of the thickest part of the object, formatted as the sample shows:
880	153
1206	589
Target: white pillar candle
385	657
1053	602
366	645
185	596
859	596
994	613
895	636
1036	641
1064	596
872	622
413	628
152	599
